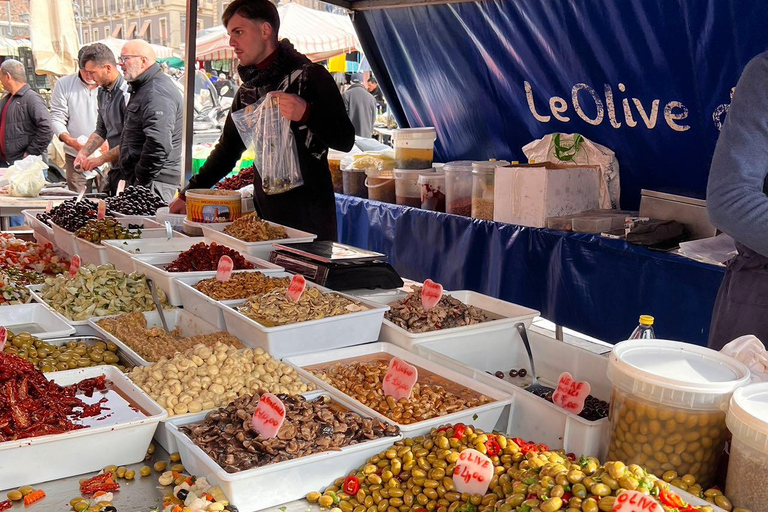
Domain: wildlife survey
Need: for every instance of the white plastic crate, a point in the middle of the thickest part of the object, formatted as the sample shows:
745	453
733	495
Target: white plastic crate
533	418
215	233
97	253
120	252
43	232
510	313
488	417
64	240
36	319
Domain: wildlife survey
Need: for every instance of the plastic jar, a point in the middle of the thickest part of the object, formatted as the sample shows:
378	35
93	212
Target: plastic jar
432	186
458	187
747	481
380	185
668	406
407	188
204	205
354	182
334	165
414	147
483	178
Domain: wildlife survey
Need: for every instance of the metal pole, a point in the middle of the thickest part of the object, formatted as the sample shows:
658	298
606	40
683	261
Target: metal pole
190	48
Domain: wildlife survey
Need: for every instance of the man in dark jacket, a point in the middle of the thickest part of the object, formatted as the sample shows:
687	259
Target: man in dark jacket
361	107
150	146
25	123
307	96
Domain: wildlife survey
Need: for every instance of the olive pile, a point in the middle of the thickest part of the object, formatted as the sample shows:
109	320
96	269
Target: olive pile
71	214
107	228
594	408
136	200
51	358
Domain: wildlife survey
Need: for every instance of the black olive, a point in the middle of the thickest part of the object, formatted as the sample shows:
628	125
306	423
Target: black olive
232	508
326	430
499	374
182	494
513	373
109	508
522	372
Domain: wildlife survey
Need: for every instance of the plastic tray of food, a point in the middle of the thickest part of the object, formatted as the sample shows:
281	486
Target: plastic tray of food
490	416
215	233
64	240
43	232
312	335
121	252
153	266
82	328
199	304
507	315
36	319
532	417
119	437
280	482
91	340
97	253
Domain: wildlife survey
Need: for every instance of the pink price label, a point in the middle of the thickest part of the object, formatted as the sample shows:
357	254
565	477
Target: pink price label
268	416
431	293
3	337
633	501
101	210
473	472
49	206
80	196
120	187
570	393
224	270
74	265
399	379
296	288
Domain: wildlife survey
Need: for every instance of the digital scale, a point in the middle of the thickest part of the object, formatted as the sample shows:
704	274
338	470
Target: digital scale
337	266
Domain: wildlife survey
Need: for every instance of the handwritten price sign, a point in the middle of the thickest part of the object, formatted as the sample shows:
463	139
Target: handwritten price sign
80	196
3	337
431	293
473	472
101	210
49	206
633	501
570	393
399	379
74	265
268	416
224	270
296	288
120	187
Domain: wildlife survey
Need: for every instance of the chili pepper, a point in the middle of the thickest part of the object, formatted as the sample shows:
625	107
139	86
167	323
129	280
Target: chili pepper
351	485
103	482
34	496
5	505
458	430
567	497
542	448
492	447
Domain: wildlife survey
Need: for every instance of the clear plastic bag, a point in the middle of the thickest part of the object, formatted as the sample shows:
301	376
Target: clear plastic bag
262	127
26	178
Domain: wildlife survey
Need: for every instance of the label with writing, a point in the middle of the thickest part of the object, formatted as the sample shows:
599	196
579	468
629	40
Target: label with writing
49	206
74	265
296	288
633	501
101	210
473	472
431	293
168	230
80	196
570	393
399	379
268	416
120	187
3	337
224	270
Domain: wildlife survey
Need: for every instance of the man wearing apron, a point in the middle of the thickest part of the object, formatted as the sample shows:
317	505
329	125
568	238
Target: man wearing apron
737	203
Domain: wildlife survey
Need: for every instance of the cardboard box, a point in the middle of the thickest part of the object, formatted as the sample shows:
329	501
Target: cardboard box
527	194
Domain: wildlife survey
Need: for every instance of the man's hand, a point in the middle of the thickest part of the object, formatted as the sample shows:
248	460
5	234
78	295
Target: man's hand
177	206
91	163
104	148
291	106
70	141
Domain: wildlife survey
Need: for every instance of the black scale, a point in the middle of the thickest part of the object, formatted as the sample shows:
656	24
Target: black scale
337	266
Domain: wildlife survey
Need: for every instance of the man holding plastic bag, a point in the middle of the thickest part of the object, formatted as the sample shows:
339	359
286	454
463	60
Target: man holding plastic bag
292	112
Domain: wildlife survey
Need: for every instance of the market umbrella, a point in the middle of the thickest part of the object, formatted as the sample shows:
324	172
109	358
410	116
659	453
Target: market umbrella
53	35
116	45
8	47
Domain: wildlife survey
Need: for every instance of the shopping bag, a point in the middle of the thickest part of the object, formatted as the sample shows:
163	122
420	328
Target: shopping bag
574	149
26	177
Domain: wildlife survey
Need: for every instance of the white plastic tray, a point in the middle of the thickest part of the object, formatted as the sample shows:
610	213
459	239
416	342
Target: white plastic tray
64	240
121	438
121	252
267	486
511	313
36	319
152	266
311	336
97	253
488	417
43	232
533	418
215	233
201	305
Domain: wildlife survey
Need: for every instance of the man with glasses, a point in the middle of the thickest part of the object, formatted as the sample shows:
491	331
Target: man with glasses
150	146
97	63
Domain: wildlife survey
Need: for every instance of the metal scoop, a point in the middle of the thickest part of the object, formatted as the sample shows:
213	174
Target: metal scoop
534	387
158	306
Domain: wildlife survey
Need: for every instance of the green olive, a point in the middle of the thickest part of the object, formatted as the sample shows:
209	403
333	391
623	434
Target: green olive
14	495
110	358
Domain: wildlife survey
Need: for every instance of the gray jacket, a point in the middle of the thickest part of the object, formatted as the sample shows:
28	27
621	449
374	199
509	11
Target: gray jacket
361	109
112	102
27	125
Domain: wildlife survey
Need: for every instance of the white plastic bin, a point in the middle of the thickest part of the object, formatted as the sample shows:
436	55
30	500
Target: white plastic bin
64	240
407	188
215	233
414	147
82	328
97	253
120	252
43	232
37	319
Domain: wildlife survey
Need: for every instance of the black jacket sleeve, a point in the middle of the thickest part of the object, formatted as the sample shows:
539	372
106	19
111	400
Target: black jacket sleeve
38	144
159	122
328	117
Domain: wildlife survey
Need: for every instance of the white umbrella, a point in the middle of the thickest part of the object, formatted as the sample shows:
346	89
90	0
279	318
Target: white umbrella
116	45
53	35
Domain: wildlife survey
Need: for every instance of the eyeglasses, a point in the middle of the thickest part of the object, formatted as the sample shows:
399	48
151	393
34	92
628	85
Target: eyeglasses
124	58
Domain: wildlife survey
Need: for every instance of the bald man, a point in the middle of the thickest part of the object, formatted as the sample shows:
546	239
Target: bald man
150	146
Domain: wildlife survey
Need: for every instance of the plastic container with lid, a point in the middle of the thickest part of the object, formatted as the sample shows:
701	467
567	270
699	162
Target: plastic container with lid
483	177
407	188
747	419
380	185
432	187
414	147
353	181
205	205
458	187
668	406
334	165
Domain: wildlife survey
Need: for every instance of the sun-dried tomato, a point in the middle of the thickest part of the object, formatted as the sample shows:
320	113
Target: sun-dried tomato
103	482
203	257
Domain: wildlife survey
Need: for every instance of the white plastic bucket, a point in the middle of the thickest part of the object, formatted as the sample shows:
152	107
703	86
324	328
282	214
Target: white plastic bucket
414	147
407	188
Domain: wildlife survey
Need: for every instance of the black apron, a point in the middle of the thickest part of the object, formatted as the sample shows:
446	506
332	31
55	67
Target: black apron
742	302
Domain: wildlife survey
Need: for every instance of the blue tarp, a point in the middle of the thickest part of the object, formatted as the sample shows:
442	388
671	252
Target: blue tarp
489	74
591	284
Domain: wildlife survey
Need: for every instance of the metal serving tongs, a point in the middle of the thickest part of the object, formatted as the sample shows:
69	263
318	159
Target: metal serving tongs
534	387
158	306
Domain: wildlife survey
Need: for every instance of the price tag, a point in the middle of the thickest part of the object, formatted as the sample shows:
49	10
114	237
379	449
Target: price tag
80	196
49	206
473	472
101	210
296	288
74	265
431	293
3	337
268	416
120	187
168	230
224	270
570	393
399	379
633	501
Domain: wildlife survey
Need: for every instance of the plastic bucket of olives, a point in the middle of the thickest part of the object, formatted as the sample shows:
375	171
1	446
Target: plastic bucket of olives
668	406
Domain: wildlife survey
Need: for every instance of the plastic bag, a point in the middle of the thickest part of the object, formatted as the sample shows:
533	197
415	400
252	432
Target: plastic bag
262	126
26	177
750	351
716	250
566	148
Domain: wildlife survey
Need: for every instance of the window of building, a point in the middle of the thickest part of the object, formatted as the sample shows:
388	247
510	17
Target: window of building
106	32
95	34
163	30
